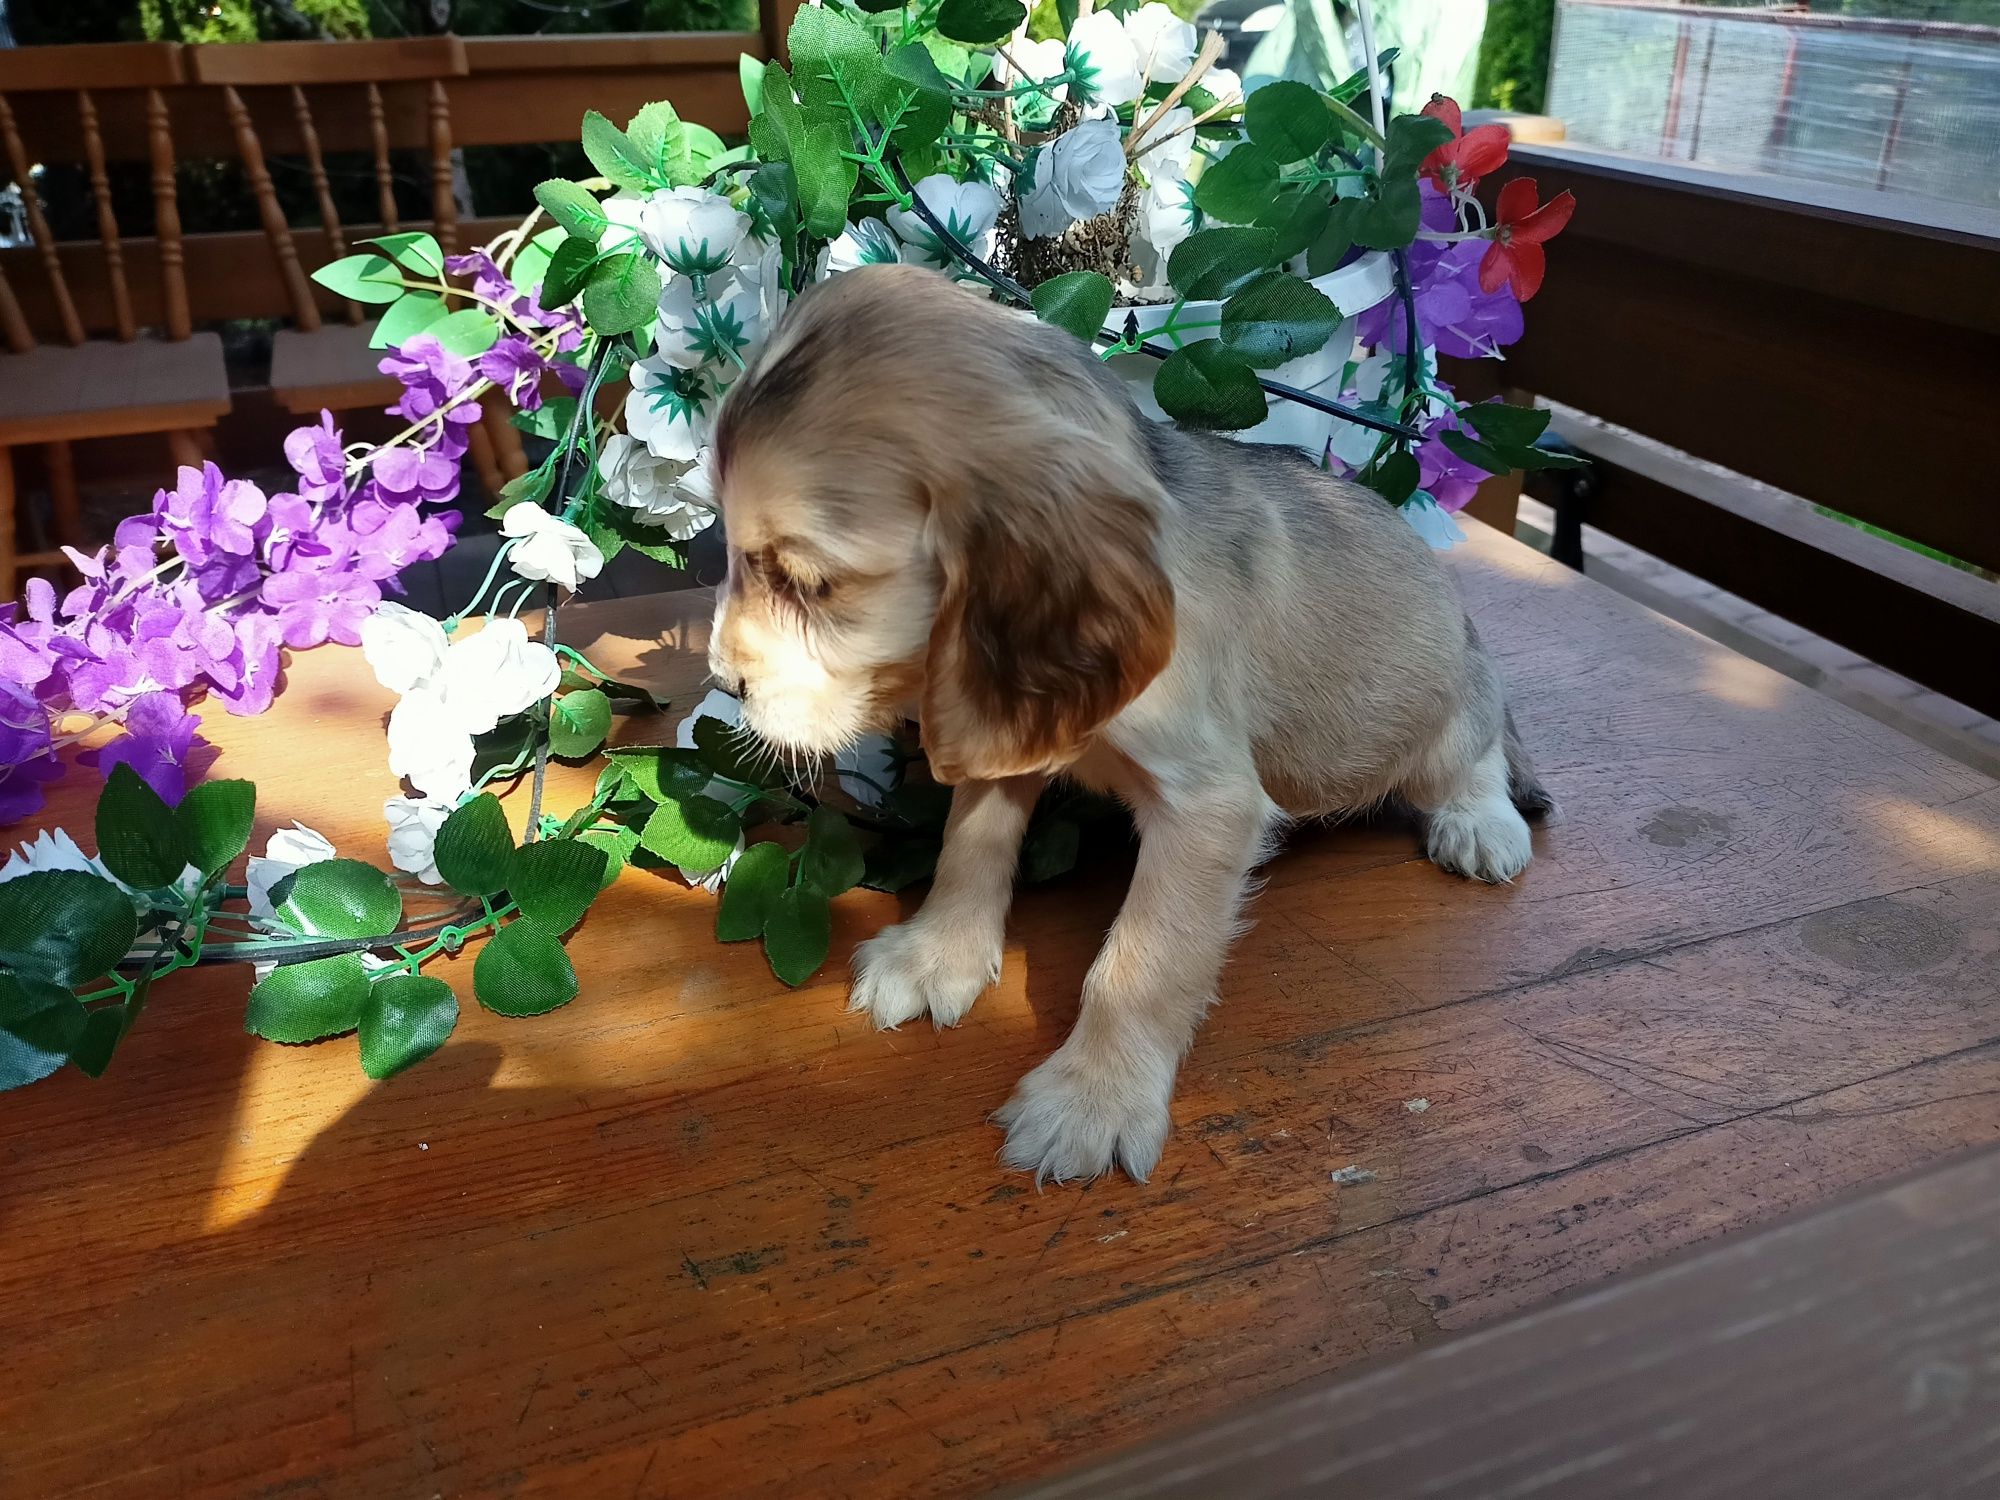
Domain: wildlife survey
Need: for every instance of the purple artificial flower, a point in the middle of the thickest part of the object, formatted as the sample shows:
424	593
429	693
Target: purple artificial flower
431	377
412	474
159	733
1454	314
513	365
205	514
319	459
27	757
1451	480
249	680
316	604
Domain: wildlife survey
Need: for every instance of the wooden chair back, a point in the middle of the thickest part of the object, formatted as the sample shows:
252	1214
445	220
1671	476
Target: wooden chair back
84	75
283	81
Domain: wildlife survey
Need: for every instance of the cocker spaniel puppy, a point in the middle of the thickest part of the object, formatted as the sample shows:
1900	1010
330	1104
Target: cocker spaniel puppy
934	504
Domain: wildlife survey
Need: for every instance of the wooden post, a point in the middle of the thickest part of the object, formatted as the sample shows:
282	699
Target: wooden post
8	578
775	20
107	220
65	505
385	172
444	204
167	218
305	311
38	226
336	242
12	322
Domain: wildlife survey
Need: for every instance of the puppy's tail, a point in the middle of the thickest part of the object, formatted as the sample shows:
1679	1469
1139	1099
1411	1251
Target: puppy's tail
1524	787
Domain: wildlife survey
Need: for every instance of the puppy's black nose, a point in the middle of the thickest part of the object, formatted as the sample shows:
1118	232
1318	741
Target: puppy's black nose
729	683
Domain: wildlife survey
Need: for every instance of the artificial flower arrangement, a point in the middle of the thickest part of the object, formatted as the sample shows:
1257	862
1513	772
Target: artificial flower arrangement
1094	164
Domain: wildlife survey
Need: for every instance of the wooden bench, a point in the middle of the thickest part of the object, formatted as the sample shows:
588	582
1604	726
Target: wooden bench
698	1234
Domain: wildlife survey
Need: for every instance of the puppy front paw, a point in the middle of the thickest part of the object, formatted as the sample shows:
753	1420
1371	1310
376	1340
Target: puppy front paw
1486	840
1070	1120
910	969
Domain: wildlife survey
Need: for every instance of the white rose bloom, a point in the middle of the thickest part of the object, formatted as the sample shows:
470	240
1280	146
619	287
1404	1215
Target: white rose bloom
1222	83
50	850
287	850
653	489
1169	146
693	230
670	410
428	745
1078	175
495	674
1103	56
723	324
966	209
865	242
627	213
1039	62
1166	217
548	547
1164	42
413	829
696	487
404	646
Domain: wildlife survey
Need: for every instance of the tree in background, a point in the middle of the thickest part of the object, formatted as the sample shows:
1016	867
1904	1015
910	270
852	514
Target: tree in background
1514	56
47	21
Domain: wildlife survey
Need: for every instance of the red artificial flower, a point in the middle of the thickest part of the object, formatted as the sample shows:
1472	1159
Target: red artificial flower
1519	231
1464	159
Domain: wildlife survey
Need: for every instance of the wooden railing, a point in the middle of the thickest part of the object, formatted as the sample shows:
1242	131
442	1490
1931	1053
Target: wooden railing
1835	343
496	91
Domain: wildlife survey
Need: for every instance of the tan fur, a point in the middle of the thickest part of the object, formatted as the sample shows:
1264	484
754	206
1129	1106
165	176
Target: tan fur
933	502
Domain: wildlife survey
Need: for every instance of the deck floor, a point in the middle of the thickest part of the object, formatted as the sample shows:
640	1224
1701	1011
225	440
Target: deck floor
697	1235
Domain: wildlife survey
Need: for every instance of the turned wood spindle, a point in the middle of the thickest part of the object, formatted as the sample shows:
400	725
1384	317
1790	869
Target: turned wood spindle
385	172
305	311
444	205
38	226
336	242
107	219
167	218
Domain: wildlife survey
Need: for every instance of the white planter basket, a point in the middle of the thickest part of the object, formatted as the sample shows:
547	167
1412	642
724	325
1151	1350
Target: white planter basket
1353	289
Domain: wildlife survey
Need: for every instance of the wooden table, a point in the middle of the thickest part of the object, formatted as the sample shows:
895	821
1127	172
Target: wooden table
700	1235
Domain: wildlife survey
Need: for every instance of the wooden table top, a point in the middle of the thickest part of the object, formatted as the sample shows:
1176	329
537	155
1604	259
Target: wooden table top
697	1234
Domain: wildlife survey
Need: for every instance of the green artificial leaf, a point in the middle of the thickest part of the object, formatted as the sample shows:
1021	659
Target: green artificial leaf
523	971
1212	263
555	880
414	251
1050	849
1548	458
572	207
1297	219
897	863
1506	427
533	487
1077	302
774	187
214	823
569	269
102	1033
617	845
920	804
403	1021
1277	318
413	313
623	292
531	263
826	181
778	122
696	833
362	278
1475	452
615	156
832	861
468	333
1334	240
835	62
662	773
305	1002
1290	120
797	934
549	420
64	926
1205	385
736	754
138	840
1410	138
980	23
341	898
706	152
1396	477
755	883
924	93
579	723
1236	187
40	1026
474	849
1387	220
660	144
750	74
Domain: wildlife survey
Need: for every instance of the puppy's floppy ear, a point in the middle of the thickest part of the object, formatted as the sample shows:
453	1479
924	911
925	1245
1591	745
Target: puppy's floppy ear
1055	611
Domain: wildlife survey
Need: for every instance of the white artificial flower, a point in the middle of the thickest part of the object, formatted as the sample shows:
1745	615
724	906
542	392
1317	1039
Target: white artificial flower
52	849
874	757
1354	445
286	850
429	746
1164	42
864	242
1166	217
1102	56
413	828
626	211
1431	521
1040	61
654	489
1078	175
669	409
721	323
404	646
494	674
696	486
1169	146
1222	83
728	708
966	209
548	548
693	230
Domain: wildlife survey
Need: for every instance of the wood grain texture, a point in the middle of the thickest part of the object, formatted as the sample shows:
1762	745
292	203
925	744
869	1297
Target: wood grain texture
700	1235
102	389
1843	1354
